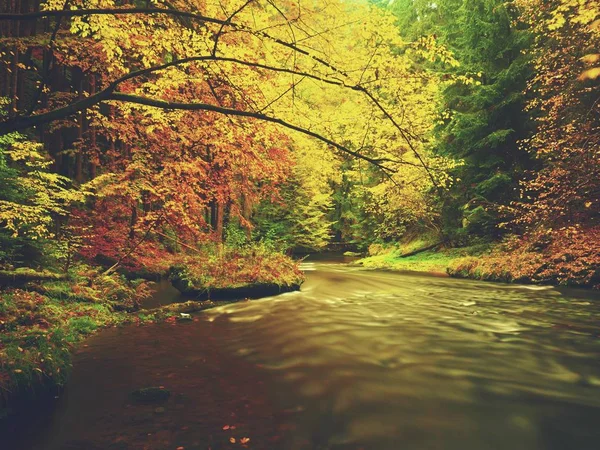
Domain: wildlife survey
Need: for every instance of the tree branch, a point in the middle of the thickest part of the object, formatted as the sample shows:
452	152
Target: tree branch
23	122
108	12
234	112
228	21
19	122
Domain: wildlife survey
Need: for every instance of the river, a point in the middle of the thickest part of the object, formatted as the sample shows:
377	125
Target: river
357	359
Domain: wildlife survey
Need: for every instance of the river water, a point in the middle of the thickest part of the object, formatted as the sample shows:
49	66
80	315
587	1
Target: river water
357	359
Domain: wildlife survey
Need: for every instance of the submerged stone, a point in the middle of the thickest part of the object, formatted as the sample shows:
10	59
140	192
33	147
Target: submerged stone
150	395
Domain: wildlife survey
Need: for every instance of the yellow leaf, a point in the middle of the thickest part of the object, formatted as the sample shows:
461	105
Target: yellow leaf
590	74
591	58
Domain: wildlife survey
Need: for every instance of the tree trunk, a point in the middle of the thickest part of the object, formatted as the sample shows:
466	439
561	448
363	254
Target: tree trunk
14	83
92	132
213	215
247	213
80	121
133	221
424	249
220	217
14	65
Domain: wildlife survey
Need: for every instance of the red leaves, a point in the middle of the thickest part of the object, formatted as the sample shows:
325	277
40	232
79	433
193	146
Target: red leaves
566	256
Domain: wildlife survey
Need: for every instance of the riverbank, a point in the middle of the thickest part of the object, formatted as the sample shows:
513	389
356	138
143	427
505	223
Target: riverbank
44	317
565	257
436	260
561	257
371	341
42	320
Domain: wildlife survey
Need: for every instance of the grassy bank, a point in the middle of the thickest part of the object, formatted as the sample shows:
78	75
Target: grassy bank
566	257
42	320
434	261
44	315
235	269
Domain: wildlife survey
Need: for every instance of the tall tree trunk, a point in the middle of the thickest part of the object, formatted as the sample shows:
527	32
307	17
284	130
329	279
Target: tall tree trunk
220	217
213	214
14	67
247	213
112	152
92	132
15	64
80	121
133	221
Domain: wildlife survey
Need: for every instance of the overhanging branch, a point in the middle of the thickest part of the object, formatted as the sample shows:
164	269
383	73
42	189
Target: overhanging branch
109	12
234	112
25	122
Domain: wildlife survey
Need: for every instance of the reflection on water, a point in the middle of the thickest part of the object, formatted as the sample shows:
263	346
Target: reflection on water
357	359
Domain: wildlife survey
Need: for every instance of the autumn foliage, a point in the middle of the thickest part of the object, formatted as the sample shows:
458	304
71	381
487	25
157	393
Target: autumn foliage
180	127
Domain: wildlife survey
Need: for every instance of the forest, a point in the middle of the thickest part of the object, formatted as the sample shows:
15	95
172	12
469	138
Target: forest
216	142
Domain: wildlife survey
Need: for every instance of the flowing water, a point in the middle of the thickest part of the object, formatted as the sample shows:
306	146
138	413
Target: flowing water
356	360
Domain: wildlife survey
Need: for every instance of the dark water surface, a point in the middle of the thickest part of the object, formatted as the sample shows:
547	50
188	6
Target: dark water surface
356	360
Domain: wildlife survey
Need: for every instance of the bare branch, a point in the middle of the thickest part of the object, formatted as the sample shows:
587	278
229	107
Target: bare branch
228	21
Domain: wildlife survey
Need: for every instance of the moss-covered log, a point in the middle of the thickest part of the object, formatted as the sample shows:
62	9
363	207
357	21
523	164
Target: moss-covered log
19	277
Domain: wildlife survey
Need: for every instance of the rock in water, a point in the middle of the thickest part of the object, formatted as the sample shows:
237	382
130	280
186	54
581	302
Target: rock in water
150	395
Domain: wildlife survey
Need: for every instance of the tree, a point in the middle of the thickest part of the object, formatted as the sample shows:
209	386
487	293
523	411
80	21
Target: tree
153	113
482	113
33	200
564	192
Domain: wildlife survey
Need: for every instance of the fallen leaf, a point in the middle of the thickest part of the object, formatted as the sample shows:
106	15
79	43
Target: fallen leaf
232	440
244	440
226	427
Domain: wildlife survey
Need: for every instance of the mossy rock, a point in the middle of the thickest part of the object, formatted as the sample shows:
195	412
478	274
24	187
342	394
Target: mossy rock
181	280
250	290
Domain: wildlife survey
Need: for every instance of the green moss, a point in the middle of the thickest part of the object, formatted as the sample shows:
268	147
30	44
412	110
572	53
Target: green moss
82	325
39	327
429	261
235	268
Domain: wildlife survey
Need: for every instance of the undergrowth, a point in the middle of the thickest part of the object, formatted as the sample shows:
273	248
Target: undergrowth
40	323
238	267
435	261
568	256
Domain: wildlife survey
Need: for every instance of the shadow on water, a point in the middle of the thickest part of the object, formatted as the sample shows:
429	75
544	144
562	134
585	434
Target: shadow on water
164	294
356	359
